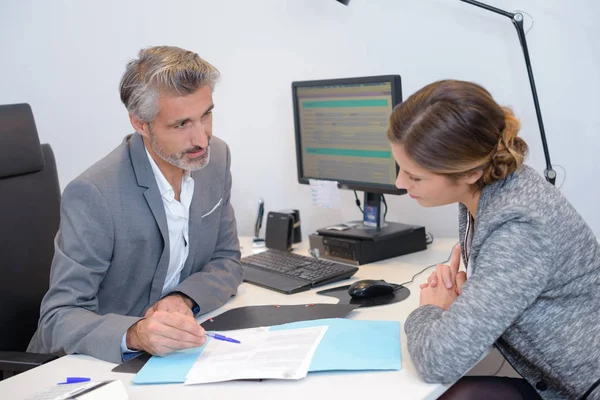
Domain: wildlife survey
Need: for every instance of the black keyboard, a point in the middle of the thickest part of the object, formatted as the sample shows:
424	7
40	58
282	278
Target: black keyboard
290	273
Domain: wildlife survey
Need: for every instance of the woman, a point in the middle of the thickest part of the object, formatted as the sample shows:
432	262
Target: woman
532	282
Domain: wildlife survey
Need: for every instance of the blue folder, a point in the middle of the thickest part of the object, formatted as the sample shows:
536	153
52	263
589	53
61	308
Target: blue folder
348	345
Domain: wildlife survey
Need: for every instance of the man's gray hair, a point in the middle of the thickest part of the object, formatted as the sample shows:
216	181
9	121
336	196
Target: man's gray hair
163	68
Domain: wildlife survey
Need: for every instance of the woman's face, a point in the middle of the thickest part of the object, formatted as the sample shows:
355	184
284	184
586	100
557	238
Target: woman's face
428	188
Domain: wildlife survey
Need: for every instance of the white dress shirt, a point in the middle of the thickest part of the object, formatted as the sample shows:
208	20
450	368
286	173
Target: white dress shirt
178	215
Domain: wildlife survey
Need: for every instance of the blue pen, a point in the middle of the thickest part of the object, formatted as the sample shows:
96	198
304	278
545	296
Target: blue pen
74	379
221	337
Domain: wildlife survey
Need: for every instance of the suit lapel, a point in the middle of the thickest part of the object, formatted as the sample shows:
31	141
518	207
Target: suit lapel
195	221
145	178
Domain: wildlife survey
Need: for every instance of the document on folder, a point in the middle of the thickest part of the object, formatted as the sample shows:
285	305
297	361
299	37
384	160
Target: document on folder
262	354
351	345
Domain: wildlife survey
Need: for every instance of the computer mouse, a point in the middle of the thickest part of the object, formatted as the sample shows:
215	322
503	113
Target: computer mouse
367	288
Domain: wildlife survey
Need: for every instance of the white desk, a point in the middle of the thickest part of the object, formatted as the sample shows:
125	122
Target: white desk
405	384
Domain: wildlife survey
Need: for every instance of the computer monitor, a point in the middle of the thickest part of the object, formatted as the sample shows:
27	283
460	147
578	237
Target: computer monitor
340	127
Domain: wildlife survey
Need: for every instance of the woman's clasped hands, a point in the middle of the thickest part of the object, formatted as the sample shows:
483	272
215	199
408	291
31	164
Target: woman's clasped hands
444	285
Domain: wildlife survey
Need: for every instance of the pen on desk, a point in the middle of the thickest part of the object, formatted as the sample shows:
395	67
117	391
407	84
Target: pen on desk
221	337
74	379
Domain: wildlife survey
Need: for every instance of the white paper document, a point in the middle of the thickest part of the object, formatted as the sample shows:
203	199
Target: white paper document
325	193
262	354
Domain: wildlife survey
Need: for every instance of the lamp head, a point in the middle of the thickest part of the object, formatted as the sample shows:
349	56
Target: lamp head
344	2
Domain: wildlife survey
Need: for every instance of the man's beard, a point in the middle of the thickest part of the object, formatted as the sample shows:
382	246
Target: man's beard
178	159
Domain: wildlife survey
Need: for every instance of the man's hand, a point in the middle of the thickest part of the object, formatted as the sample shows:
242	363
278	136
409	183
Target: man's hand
164	332
175	302
448	274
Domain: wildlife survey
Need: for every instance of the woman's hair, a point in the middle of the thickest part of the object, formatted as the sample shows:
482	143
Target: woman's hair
163	68
454	127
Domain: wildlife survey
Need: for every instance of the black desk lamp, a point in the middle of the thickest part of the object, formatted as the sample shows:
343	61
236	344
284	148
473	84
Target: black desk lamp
517	20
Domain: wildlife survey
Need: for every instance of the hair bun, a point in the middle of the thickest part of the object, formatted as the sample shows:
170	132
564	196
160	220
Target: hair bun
510	152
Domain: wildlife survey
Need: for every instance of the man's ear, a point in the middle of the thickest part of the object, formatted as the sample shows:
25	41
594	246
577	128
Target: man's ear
140	126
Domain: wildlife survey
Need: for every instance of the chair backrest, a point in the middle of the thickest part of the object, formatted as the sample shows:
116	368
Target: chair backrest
29	216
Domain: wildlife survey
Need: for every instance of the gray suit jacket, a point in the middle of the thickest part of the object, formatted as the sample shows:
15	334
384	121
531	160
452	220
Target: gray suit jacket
112	251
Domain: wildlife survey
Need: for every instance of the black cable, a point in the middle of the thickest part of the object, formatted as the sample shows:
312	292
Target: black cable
529	15
565	174
500	367
358	202
425	269
590	390
385	204
428	238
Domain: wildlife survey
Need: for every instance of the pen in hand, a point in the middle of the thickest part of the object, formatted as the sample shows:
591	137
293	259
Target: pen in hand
221	337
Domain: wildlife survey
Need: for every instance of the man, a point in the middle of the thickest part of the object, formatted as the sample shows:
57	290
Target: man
147	236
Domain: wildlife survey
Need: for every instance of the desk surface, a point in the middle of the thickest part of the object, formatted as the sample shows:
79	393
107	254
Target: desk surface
406	382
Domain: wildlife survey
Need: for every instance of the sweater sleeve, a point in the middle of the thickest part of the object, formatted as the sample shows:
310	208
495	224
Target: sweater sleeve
510	272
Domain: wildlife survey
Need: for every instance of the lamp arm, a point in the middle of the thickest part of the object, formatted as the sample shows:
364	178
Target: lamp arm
517	20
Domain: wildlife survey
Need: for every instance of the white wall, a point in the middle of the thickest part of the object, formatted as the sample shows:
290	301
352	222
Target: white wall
66	57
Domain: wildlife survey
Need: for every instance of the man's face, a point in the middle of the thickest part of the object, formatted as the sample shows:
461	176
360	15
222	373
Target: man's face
181	130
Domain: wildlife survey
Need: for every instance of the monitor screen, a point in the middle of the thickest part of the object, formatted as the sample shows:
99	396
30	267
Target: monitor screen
341	127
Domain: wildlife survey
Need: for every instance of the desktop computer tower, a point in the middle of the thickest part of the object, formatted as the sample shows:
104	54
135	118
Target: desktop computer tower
354	247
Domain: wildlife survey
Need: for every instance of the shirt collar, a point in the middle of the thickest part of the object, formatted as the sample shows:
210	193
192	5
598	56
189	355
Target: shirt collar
165	188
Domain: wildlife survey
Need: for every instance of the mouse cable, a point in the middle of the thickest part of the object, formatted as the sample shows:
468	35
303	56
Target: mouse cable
426	268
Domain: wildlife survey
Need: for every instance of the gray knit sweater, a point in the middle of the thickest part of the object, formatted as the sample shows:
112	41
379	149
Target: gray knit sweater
534	292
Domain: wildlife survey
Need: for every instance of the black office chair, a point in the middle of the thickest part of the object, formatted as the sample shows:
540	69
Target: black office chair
29	216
